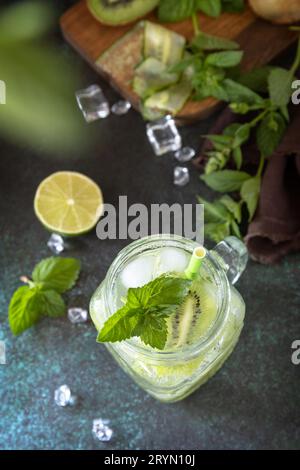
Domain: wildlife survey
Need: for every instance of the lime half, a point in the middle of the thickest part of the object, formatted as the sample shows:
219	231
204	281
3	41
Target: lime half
68	203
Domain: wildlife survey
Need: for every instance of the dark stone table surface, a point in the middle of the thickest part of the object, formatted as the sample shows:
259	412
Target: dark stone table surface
252	403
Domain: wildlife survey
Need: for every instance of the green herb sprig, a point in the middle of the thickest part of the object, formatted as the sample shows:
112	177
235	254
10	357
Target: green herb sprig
42	295
178	10
269	125
145	312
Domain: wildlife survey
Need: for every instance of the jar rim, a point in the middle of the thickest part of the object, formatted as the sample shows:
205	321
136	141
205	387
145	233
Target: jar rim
220	279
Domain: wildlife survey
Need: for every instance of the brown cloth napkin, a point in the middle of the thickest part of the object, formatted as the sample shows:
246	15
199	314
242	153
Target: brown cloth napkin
275	229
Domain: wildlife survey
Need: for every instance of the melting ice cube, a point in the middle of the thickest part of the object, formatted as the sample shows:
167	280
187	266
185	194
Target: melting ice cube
101	430
139	272
164	136
172	260
92	103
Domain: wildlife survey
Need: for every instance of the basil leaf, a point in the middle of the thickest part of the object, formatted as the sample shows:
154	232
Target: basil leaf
280	86
173	11
270	133
57	273
224	59
226	180
208	42
250	194
209	7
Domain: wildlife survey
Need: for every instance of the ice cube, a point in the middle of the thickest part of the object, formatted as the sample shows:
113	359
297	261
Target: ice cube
92	103
172	260
121	107
63	396
139	272
181	176
2	353
164	136
77	315
101	430
56	243
185	154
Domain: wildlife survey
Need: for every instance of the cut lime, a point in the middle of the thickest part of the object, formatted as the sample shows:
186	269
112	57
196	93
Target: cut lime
68	203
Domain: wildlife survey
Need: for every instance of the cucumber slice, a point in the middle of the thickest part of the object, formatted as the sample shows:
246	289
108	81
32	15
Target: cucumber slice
151	76
163	44
170	100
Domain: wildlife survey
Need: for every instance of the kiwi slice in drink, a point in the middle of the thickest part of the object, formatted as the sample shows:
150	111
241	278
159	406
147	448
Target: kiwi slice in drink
194	317
118	12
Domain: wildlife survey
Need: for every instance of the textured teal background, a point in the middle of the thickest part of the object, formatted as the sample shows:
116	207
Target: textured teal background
253	402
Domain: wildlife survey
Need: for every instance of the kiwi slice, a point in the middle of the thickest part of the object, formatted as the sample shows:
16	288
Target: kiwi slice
118	12
194	316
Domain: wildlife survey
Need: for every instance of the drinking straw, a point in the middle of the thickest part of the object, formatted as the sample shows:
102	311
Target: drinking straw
198	255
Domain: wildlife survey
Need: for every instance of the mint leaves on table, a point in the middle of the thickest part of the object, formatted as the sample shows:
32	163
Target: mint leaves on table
146	311
42	296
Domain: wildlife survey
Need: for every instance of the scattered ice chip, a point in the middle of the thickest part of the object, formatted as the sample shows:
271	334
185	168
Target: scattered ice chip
121	107
164	136
63	396
172	259
56	243
92	103
2	353
185	154
181	176
139	272
101	430
77	315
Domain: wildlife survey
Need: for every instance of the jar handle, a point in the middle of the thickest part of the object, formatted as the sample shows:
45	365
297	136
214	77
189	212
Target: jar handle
232	255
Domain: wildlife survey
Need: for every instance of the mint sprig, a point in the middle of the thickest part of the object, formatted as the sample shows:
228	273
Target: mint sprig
42	296
146	311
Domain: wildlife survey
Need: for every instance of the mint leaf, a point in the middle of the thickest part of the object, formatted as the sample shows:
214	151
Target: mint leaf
57	273
250	194
53	304
210	43
233	207
225	58
270	133
145	312
241	135
153	331
226	180
280	86
209	7
24	309
120	325
173	11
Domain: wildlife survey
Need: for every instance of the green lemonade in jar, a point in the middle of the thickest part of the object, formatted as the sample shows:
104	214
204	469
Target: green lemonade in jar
201	331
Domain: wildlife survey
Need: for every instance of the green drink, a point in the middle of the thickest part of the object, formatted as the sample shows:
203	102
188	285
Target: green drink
202	330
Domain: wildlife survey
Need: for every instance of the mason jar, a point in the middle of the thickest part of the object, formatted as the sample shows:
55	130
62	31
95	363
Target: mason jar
171	375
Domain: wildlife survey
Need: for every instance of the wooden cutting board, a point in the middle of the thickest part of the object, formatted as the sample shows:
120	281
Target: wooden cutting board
260	40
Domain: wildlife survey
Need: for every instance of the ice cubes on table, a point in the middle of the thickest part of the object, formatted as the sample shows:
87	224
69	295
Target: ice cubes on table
185	154
77	315
164	136
63	396
172	260
139	272
92	103
56	243
181	176
121	107
101	430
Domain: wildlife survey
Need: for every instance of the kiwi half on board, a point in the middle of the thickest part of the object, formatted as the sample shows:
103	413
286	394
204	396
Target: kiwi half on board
118	12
